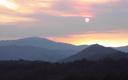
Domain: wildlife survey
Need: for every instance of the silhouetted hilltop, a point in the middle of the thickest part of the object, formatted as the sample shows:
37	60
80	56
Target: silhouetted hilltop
96	52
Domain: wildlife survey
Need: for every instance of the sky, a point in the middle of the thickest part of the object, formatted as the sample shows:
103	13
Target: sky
76	22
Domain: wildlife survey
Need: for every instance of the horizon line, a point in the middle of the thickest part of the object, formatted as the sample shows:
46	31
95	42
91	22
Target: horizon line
19	38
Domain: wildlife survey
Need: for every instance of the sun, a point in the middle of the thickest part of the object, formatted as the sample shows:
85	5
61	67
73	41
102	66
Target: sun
87	20
8	4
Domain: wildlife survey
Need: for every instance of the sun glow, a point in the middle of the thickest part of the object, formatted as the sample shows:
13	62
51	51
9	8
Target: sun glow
87	20
111	39
8	4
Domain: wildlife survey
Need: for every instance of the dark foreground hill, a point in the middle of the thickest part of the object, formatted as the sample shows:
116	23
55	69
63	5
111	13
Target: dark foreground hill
80	70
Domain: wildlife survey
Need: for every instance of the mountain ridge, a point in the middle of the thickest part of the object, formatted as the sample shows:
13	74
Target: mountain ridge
32	46
41	42
96	52
61	50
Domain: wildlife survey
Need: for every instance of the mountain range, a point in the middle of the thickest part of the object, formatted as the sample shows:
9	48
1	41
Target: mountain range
41	42
35	48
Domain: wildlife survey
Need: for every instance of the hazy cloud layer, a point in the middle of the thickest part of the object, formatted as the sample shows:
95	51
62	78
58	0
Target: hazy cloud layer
62	18
23	8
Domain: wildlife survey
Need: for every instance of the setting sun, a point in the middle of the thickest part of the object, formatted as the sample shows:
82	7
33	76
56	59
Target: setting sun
87	20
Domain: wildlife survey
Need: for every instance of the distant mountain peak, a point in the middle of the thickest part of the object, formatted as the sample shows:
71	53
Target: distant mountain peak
96	46
96	52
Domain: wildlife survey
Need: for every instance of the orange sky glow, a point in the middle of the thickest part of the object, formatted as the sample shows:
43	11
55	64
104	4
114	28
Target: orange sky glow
110	39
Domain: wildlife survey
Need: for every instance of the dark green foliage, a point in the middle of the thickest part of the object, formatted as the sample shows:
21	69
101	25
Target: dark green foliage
107	69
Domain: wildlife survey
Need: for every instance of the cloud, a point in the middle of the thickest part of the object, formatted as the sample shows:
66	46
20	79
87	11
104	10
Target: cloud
25	8
4	19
